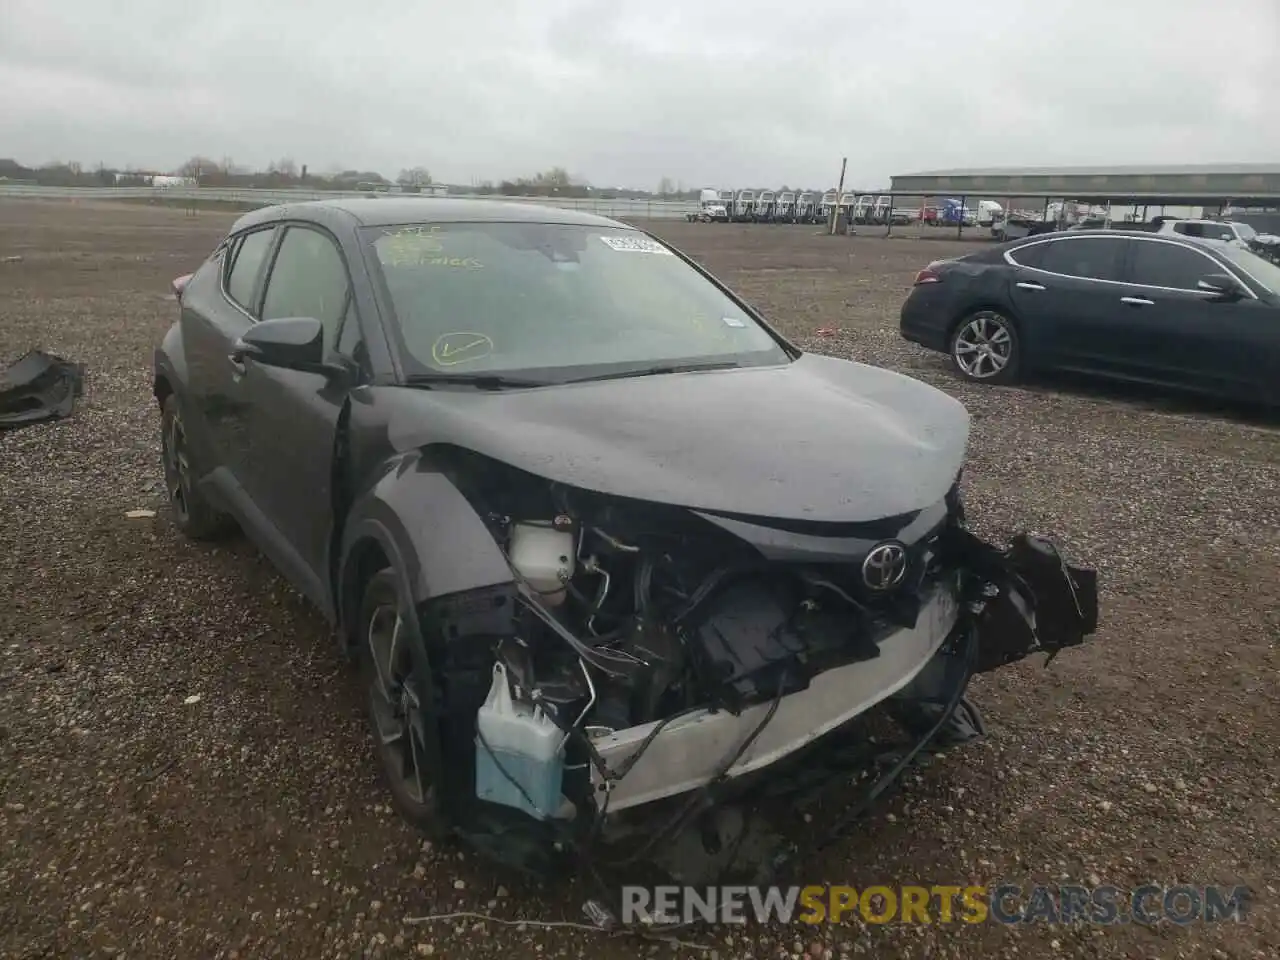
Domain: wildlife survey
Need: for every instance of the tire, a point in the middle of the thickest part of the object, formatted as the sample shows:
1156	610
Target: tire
400	700
985	347
192	512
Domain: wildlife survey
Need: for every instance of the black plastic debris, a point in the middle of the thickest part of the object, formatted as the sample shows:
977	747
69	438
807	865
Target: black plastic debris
39	386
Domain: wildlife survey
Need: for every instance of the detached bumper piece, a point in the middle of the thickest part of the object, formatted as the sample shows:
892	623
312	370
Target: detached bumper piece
39	387
1028	598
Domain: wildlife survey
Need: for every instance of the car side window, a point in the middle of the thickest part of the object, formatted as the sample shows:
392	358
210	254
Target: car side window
1089	258
308	279
1028	256
244	263
1157	264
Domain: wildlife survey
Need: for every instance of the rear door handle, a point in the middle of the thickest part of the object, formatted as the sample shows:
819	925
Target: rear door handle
1137	301
1029	286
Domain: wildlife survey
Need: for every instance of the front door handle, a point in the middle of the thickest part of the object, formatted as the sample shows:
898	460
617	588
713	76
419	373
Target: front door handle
237	355
1029	286
1137	301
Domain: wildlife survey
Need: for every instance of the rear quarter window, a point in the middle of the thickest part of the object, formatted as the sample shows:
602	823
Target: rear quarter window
1028	255
995	255
1087	258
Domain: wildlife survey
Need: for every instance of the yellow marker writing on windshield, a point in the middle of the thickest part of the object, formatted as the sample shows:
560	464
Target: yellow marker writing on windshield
460	347
410	246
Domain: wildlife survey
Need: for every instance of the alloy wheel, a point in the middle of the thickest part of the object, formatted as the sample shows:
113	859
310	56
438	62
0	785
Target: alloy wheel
984	346
177	468
395	704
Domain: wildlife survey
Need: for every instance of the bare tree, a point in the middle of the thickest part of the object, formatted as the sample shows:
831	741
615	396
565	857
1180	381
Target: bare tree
284	167
199	167
555	177
666	187
414	177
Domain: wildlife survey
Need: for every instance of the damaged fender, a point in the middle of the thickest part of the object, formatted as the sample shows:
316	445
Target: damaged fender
426	529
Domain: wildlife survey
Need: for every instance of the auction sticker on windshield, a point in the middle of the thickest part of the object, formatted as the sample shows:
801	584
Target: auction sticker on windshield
635	245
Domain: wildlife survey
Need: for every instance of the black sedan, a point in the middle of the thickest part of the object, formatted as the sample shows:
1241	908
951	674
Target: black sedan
1173	311
605	544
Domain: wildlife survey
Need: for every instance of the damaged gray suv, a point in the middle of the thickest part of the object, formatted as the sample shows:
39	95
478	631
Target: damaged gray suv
625	570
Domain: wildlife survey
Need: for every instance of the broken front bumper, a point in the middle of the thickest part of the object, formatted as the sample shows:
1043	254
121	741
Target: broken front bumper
689	751
1019	601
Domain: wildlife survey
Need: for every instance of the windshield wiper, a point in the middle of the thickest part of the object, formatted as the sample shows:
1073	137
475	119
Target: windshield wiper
481	381
660	369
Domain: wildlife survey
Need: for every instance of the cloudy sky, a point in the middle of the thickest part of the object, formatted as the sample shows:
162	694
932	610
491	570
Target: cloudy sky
705	92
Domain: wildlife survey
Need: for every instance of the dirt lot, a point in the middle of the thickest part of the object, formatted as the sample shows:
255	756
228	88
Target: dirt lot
138	821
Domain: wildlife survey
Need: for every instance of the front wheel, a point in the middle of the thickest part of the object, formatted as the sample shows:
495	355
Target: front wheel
985	348
400	696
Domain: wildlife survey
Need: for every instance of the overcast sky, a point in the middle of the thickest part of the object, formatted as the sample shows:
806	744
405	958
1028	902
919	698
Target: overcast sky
706	92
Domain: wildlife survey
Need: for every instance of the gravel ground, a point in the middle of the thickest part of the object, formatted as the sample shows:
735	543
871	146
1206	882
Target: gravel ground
184	765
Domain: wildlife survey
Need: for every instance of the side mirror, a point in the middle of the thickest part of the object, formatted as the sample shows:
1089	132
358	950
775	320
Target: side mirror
295	343
1223	286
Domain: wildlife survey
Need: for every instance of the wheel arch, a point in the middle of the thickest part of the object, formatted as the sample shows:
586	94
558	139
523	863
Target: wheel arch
416	521
366	556
161	388
168	365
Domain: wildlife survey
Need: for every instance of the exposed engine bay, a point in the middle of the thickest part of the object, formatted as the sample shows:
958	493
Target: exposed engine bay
656	624
669	613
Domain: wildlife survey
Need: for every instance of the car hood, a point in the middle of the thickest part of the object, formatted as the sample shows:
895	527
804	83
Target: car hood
819	439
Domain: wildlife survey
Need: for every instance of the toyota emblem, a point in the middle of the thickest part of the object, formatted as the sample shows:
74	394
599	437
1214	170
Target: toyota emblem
885	566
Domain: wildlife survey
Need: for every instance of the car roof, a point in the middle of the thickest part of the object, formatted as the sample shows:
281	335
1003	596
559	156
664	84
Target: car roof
1138	234
388	211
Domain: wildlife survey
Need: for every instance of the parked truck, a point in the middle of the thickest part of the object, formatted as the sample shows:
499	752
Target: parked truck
830	200
784	209
807	207
710	208
765	201
871	208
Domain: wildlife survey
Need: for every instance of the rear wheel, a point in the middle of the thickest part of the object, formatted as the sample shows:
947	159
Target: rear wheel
985	347
400	695
192	512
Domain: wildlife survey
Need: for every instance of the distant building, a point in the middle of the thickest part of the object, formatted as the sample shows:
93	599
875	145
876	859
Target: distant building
1250	184
156	180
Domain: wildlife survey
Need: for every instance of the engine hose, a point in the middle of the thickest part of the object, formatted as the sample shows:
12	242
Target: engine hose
643	584
609	662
